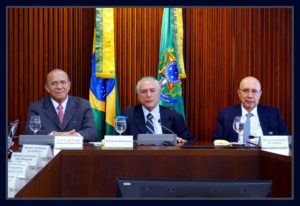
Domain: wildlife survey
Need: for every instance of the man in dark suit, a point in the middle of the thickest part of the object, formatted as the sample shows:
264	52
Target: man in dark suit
164	120
60	113
263	120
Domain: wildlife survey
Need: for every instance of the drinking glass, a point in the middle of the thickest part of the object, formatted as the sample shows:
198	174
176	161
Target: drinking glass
239	124
35	123
120	124
13	127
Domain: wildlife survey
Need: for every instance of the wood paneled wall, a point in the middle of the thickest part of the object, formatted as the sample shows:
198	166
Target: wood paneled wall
40	39
222	45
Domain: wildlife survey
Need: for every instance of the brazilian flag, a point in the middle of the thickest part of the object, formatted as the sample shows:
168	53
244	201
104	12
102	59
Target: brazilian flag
103	94
171	65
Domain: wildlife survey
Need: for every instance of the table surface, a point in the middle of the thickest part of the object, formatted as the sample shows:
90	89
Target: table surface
92	171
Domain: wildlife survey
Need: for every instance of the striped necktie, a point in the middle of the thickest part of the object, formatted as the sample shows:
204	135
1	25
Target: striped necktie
247	128
149	124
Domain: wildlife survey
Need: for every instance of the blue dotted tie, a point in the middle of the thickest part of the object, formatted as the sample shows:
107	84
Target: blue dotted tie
149	124
247	128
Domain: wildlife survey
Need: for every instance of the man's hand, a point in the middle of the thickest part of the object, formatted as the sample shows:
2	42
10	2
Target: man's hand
180	140
69	133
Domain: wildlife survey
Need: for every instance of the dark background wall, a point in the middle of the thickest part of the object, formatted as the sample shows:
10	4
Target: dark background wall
221	46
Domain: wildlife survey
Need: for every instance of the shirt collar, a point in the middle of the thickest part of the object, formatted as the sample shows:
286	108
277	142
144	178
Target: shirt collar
154	112
55	103
244	111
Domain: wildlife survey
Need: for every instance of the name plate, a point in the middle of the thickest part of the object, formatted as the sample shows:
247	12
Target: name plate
274	142
32	159
19	169
44	151
118	141
68	142
12	182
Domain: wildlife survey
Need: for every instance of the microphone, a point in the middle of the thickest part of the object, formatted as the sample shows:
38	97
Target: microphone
159	121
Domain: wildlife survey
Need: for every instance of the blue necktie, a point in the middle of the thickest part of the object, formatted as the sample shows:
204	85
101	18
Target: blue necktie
247	128
149	124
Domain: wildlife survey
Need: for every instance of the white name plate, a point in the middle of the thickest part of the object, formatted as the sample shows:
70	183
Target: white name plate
12	182
43	150
68	142
274	142
19	169
118	141
32	159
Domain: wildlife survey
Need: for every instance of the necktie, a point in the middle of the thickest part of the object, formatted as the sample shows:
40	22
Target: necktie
60	113
247	128
149	124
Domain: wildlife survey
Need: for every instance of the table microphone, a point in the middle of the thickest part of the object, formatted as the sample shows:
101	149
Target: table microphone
159	121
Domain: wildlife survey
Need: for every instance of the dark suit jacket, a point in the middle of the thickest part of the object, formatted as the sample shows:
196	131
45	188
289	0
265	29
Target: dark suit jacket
169	119
269	117
78	116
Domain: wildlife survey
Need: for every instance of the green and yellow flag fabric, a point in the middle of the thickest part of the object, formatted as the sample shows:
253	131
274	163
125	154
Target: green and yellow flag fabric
171	65
103	95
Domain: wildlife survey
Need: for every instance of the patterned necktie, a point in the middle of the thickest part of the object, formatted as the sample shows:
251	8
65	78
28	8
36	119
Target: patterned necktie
60	113
247	128
149	124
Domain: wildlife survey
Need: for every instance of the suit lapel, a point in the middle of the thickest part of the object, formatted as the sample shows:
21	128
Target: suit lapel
140	119
238	110
165	120
263	124
50	112
69	112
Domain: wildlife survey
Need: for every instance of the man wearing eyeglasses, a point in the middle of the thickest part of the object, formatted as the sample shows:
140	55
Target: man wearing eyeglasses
261	120
60	113
151	118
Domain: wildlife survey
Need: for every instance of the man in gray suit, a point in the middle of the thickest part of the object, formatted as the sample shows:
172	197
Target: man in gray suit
60	113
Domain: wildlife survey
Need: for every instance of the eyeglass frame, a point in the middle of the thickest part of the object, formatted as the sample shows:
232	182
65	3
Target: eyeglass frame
247	91
55	83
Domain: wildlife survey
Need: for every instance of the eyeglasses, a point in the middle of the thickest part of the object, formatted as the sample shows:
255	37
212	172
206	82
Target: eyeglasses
145	91
62	82
247	91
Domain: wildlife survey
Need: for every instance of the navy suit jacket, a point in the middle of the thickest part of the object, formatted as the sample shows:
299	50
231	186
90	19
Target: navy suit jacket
269	117
78	116
169	119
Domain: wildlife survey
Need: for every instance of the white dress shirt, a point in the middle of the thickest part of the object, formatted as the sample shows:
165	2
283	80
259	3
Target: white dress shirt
64	105
156	116
255	127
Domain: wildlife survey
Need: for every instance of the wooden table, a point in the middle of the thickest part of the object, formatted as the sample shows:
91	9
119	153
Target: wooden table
92	172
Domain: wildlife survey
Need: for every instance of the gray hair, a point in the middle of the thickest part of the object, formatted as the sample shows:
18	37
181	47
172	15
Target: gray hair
148	78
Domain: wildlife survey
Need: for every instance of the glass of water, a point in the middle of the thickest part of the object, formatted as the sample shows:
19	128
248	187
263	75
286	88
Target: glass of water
120	124
35	123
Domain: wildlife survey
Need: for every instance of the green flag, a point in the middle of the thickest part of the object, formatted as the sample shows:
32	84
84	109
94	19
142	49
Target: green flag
171	65
103	86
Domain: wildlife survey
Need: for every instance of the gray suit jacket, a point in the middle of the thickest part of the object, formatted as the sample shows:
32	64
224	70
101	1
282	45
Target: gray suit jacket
78	116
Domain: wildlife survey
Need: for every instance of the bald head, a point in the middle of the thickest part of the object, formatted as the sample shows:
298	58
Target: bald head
249	92
57	70
250	80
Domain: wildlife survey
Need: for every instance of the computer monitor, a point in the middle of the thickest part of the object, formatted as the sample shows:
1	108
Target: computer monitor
170	188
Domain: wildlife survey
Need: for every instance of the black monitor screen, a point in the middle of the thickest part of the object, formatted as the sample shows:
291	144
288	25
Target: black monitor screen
166	188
